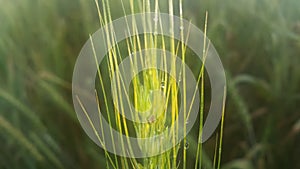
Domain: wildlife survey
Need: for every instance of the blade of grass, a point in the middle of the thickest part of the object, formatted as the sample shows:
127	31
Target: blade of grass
21	138
201	74
222	129
23	108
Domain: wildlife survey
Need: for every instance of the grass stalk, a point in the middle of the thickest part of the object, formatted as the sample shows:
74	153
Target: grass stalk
149	80
221	129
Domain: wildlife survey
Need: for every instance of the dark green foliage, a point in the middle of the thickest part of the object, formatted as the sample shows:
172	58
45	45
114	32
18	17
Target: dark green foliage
259	44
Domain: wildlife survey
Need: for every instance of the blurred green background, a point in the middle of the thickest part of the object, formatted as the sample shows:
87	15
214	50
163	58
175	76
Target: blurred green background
259	45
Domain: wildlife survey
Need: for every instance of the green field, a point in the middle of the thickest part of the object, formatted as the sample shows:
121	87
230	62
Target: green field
258	42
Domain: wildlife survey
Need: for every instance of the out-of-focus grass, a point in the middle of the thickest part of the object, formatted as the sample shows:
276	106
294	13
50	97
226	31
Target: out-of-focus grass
39	43
259	44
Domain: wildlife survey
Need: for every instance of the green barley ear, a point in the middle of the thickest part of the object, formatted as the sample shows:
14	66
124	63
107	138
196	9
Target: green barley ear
146	94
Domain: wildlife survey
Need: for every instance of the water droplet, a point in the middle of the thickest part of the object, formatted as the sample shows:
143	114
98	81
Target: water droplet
162	85
181	28
155	33
187	145
151	119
